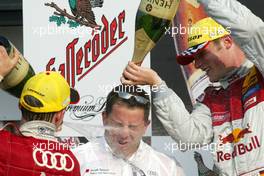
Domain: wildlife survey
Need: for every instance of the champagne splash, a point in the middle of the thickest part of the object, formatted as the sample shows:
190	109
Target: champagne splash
89	131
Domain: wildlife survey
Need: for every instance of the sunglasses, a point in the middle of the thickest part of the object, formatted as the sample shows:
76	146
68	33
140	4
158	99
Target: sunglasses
127	96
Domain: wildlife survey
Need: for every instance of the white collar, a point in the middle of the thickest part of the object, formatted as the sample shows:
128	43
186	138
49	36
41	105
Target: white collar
235	74
39	129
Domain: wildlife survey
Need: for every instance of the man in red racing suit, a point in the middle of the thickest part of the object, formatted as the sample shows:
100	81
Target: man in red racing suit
230	115
34	150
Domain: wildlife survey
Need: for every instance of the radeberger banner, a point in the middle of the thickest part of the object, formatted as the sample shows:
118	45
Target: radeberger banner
90	51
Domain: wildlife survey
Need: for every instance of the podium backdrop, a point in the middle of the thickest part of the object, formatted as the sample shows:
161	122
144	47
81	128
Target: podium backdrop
162	60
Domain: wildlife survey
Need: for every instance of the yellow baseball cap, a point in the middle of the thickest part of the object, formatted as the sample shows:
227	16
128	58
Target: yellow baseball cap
50	91
199	36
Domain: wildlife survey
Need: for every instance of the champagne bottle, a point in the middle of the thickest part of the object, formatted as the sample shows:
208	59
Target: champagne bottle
152	19
15	80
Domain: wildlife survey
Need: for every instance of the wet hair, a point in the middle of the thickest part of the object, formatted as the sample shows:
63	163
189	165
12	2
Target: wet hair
113	98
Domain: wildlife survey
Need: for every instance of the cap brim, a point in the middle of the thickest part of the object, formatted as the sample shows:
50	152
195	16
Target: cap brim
75	97
187	56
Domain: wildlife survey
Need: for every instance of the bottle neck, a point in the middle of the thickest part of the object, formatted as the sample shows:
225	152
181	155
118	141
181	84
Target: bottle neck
6	43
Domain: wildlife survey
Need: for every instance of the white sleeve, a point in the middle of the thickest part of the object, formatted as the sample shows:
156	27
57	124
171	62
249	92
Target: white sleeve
179	123
246	28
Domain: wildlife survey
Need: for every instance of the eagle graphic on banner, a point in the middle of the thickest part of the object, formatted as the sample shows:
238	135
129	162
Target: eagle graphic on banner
81	10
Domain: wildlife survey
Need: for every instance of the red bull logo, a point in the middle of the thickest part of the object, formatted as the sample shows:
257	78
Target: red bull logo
239	149
236	135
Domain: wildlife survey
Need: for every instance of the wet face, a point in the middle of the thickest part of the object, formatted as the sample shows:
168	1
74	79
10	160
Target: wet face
215	60
127	126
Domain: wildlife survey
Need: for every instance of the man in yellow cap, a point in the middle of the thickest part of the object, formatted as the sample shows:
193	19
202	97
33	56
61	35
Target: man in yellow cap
229	115
35	150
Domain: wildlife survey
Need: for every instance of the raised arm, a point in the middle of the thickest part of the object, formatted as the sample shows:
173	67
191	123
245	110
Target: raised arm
195	127
246	28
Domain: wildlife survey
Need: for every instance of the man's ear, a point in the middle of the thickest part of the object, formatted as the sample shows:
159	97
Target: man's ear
58	119
104	117
227	41
147	124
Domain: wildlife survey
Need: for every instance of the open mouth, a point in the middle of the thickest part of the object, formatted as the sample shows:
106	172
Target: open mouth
122	143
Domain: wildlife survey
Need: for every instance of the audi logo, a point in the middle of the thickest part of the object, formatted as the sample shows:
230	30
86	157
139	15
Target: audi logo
54	159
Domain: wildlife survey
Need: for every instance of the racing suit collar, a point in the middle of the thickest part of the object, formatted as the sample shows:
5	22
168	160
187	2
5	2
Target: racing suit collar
39	129
235	74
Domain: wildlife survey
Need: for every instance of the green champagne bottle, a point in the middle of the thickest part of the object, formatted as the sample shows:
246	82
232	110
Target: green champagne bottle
152	19
15	80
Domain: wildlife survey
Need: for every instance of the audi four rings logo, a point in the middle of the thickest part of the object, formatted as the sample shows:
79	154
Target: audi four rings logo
58	161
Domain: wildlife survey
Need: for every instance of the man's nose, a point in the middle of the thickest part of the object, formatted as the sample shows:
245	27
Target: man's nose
124	132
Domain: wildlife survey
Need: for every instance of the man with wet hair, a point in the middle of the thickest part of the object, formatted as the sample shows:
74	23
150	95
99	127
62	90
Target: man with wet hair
121	151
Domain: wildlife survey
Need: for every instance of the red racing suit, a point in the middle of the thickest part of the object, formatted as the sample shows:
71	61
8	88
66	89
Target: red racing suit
230	116
29	156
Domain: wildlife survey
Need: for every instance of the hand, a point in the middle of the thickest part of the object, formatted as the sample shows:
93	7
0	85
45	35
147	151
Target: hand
136	75
7	63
